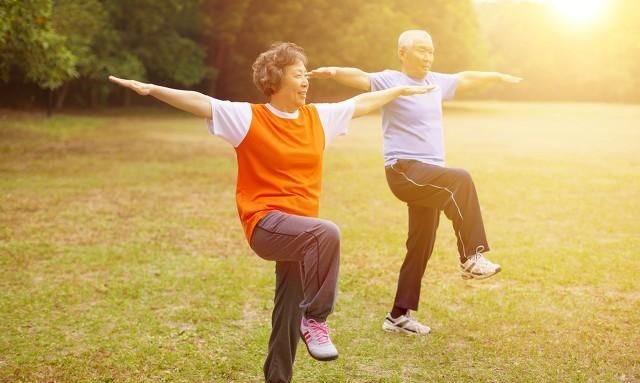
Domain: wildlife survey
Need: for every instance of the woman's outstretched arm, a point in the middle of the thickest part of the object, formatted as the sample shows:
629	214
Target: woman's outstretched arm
370	101
192	102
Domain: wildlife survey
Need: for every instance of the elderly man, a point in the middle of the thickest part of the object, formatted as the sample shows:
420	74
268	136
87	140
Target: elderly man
416	172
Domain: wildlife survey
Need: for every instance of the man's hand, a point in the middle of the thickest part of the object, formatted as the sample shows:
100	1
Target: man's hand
136	86
473	79
322	73
413	90
509	78
352	77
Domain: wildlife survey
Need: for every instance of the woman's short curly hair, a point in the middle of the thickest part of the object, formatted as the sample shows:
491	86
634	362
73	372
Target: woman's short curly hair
268	69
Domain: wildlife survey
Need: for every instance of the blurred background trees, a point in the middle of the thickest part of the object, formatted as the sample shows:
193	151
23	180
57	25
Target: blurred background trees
59	52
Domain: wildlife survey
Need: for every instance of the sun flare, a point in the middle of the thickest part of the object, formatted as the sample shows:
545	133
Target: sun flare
579	11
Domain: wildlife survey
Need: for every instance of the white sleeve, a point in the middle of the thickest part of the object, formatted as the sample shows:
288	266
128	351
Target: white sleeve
231	120
335	118
447	82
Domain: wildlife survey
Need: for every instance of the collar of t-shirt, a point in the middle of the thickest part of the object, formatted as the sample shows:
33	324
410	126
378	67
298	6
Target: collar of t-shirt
281	114
422	81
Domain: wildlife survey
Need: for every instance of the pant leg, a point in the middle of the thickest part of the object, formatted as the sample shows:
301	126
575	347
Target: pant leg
285	323
448	189
423	223
314	242
307	255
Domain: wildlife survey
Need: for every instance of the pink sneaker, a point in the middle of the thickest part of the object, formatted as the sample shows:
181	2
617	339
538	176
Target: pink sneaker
316	337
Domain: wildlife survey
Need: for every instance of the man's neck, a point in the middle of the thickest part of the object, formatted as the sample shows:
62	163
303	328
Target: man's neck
414	76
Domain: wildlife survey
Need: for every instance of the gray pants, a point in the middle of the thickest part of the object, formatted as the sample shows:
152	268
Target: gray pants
427	190
307	255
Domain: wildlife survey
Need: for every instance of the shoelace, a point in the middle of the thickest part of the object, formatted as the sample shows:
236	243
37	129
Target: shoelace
413	322
319	331
483	263
476	257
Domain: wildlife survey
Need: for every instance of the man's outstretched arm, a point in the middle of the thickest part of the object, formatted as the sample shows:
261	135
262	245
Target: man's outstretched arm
473	79
192	102
351	77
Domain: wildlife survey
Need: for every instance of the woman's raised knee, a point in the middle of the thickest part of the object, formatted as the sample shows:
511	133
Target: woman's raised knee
329	230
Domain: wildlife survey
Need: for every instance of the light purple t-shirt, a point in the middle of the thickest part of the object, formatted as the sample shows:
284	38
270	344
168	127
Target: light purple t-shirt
412	125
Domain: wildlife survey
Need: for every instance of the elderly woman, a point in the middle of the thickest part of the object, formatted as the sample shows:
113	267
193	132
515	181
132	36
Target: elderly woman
279	148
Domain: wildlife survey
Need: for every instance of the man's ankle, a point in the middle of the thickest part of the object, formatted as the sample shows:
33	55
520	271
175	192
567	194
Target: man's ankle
396	312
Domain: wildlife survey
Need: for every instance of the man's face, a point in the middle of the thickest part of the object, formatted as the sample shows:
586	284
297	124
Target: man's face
417	59
294	84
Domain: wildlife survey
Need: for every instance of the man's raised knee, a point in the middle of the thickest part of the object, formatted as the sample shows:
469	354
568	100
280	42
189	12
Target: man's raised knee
463	175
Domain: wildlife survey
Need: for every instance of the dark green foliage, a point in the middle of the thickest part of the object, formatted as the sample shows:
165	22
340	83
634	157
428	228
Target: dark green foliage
71	46
30	49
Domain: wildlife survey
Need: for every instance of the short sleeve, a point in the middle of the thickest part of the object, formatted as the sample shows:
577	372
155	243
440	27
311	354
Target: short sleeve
380	80
231	120
335	118
447	83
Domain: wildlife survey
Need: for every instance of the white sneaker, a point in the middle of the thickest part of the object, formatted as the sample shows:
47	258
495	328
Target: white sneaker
316	337
405	324
478	267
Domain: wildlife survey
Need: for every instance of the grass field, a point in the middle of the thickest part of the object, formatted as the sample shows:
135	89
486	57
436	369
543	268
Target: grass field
122	258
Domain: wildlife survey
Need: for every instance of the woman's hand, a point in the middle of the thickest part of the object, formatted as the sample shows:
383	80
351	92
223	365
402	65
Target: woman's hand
370	101
193	102
411	90
136	86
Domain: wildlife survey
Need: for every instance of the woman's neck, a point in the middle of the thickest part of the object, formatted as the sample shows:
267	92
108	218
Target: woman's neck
282	105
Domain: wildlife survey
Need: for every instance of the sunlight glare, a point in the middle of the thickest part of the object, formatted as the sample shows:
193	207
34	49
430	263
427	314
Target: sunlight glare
579	11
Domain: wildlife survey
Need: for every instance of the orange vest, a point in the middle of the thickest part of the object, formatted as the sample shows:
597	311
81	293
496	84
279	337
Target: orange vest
279	166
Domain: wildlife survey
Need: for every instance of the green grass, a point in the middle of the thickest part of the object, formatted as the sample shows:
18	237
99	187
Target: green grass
122	258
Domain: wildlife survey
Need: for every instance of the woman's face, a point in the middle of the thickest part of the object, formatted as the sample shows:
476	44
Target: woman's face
293	86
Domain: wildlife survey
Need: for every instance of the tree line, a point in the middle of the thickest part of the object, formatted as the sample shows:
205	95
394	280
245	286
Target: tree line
60	52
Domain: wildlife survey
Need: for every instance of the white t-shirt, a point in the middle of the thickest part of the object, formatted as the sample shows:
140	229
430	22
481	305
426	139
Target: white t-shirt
232	120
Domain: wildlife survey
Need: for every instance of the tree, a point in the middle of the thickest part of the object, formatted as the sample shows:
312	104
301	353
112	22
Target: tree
164	36
97	46
30	48
211	44
354	33
76	44
222	24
